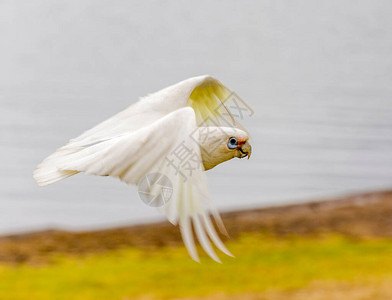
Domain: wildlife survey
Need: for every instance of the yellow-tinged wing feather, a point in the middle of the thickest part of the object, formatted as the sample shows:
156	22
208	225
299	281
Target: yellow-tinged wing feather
210	99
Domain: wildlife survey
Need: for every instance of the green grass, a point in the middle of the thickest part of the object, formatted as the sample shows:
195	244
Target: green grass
262	263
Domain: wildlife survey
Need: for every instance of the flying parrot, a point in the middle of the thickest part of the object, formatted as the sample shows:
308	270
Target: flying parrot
179	132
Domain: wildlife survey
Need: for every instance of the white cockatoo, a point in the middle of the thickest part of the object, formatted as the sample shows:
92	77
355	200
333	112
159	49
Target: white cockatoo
179	131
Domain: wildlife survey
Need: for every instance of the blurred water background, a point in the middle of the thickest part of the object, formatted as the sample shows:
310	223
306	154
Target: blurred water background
317	73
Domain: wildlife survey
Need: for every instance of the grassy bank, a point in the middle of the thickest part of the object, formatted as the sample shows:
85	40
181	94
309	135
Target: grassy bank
263	264
331	250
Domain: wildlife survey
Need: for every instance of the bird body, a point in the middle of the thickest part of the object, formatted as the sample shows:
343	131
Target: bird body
177	131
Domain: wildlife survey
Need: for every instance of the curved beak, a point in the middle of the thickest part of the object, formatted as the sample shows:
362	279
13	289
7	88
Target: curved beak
245	149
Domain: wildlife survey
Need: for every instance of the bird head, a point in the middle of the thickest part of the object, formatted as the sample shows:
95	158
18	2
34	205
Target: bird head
222	144
240	146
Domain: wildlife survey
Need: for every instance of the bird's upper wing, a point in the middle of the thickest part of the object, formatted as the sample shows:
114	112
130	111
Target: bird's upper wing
166	147
205	94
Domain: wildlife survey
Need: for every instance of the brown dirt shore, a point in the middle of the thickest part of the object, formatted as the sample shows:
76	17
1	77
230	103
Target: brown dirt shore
358	216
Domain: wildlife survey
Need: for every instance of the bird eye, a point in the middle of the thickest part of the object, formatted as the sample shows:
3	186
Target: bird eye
232	143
